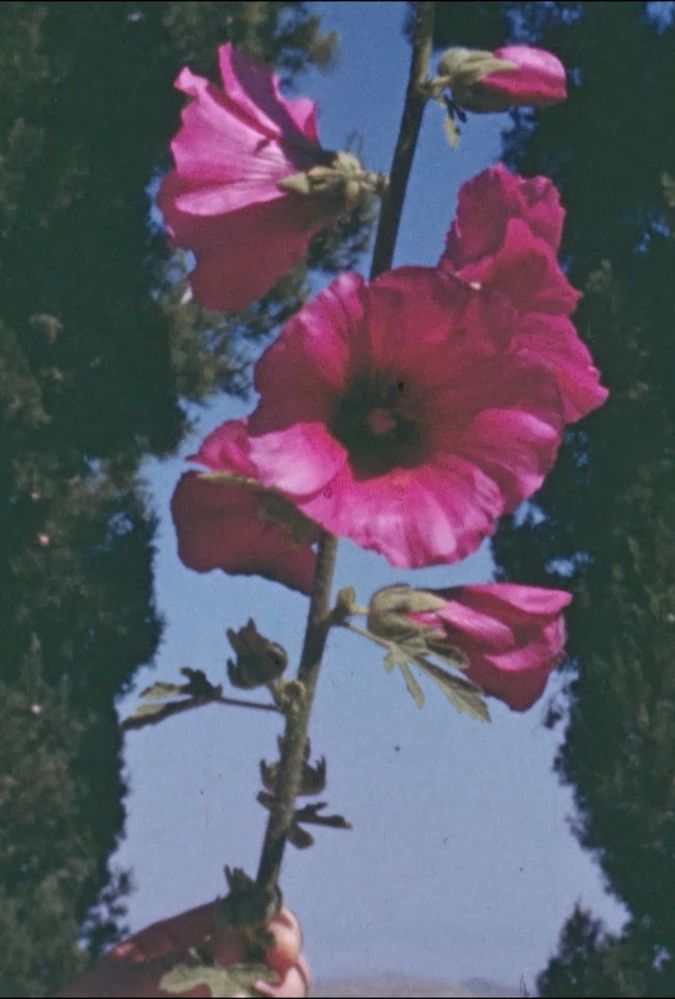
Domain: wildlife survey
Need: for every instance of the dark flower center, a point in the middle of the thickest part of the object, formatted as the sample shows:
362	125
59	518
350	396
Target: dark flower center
376	422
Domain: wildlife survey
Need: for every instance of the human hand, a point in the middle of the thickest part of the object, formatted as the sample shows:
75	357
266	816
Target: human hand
134	968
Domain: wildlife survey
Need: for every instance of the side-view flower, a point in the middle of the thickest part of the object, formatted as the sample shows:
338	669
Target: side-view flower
510	637
251	183
229	521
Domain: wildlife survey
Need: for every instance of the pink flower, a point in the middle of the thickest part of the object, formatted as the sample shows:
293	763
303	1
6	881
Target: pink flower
505	238
538	79
511	636
223	200
513	76
389	415
237	527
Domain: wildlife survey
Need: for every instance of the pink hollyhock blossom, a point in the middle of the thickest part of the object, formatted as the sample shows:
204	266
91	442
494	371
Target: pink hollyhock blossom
231	526
511	636
513	76
388	415
223	200
505	238
538	79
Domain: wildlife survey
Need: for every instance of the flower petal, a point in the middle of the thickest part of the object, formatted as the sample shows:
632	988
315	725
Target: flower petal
553	341
240	255
254	91
298	460
538	80
313	352
227	449
488	201
226	526
512	636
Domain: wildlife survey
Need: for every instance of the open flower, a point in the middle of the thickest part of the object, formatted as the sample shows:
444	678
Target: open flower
236	525
389	415
512	76
511	636
226	199
505	238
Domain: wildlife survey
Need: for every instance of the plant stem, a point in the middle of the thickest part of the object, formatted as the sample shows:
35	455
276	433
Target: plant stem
411	120
297	721
319	620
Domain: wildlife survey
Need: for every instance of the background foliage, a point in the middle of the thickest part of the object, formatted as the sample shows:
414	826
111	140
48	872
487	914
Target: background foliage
605	520
96	358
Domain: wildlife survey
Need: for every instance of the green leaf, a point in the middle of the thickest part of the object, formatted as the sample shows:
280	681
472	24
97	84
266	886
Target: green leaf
399	655
161	690
145	711
221	982
465	696
412	685
153	714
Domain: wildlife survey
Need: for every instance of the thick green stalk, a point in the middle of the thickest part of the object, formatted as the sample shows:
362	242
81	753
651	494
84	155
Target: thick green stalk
318	620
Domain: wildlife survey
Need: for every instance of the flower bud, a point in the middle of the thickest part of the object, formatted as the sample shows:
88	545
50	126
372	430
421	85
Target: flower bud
259	660
389	609
512	76
511	637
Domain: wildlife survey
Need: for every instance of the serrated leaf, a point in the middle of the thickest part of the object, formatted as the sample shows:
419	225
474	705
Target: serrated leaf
161	690
462	694
451	131
221	982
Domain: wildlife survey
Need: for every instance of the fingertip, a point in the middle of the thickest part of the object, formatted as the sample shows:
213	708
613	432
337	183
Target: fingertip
287	941
293	985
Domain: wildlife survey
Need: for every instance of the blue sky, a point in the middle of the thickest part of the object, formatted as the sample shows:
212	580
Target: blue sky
460	861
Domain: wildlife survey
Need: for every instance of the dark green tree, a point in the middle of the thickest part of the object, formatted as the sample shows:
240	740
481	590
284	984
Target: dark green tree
96	357
603	525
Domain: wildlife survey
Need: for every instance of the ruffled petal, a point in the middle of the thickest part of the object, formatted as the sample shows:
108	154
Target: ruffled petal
227	449
485	205
254	91
553	341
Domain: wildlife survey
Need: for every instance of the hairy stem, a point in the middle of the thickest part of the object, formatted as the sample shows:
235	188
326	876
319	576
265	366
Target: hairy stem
297	722
319	620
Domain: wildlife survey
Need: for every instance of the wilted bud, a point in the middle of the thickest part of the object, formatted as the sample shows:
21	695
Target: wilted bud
512	76
259	660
